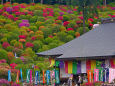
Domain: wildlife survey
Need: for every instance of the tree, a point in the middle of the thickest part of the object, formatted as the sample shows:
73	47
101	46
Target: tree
88	8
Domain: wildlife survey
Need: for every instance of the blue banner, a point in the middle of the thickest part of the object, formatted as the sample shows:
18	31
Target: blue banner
36	78
57	81
48	77
9	75
21	75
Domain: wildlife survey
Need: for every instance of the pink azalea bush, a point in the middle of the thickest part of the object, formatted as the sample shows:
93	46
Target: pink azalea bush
5	44
28	44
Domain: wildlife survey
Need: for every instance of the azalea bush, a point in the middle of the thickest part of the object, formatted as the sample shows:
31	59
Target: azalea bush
26	29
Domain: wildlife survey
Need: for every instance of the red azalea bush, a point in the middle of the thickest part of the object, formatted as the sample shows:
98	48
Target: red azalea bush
66	23
69	29
22	36
28	44
5	44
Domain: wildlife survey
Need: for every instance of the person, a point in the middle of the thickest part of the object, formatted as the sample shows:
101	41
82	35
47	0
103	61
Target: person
80	80
70	80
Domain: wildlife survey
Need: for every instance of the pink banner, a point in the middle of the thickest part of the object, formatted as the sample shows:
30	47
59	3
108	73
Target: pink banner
30	76
96	75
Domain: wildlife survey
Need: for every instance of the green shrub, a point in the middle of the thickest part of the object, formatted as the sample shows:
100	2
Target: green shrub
66	17
3	54
37	45
33	19
38	12
17	61
69	38
48	40
49	21
52	45
33	28
71	33
47	31
62	36
80	30
9	48
72	25
42	19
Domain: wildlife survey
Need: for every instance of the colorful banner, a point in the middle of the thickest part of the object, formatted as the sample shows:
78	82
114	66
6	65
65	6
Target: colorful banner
52	62
110	75
100	74
39	77
57	63
105	74
36	78
83	66
74	71
112	63
66	67
48	77
96	75
43	77
88	65
57	81
90	76
78	67
61	65
21	75
93	64
70	66
17	78
98	64
9	75
28	76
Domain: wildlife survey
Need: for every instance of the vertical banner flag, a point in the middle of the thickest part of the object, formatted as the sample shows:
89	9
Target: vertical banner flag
57	63
43	77
9	75
96	75
93	64
51	76
74	67
17	78
21	75
107	63
90	76
28	76
78	67
66	67
100	74
61	65
48	77
39	76
57	81
52	62
70	67
83	66
112	63
98	64
36	78
106	75
110	75
88	65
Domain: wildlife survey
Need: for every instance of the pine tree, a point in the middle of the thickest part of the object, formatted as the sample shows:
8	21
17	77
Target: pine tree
89	9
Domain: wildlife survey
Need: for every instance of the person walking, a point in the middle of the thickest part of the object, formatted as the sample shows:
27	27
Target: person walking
70	80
